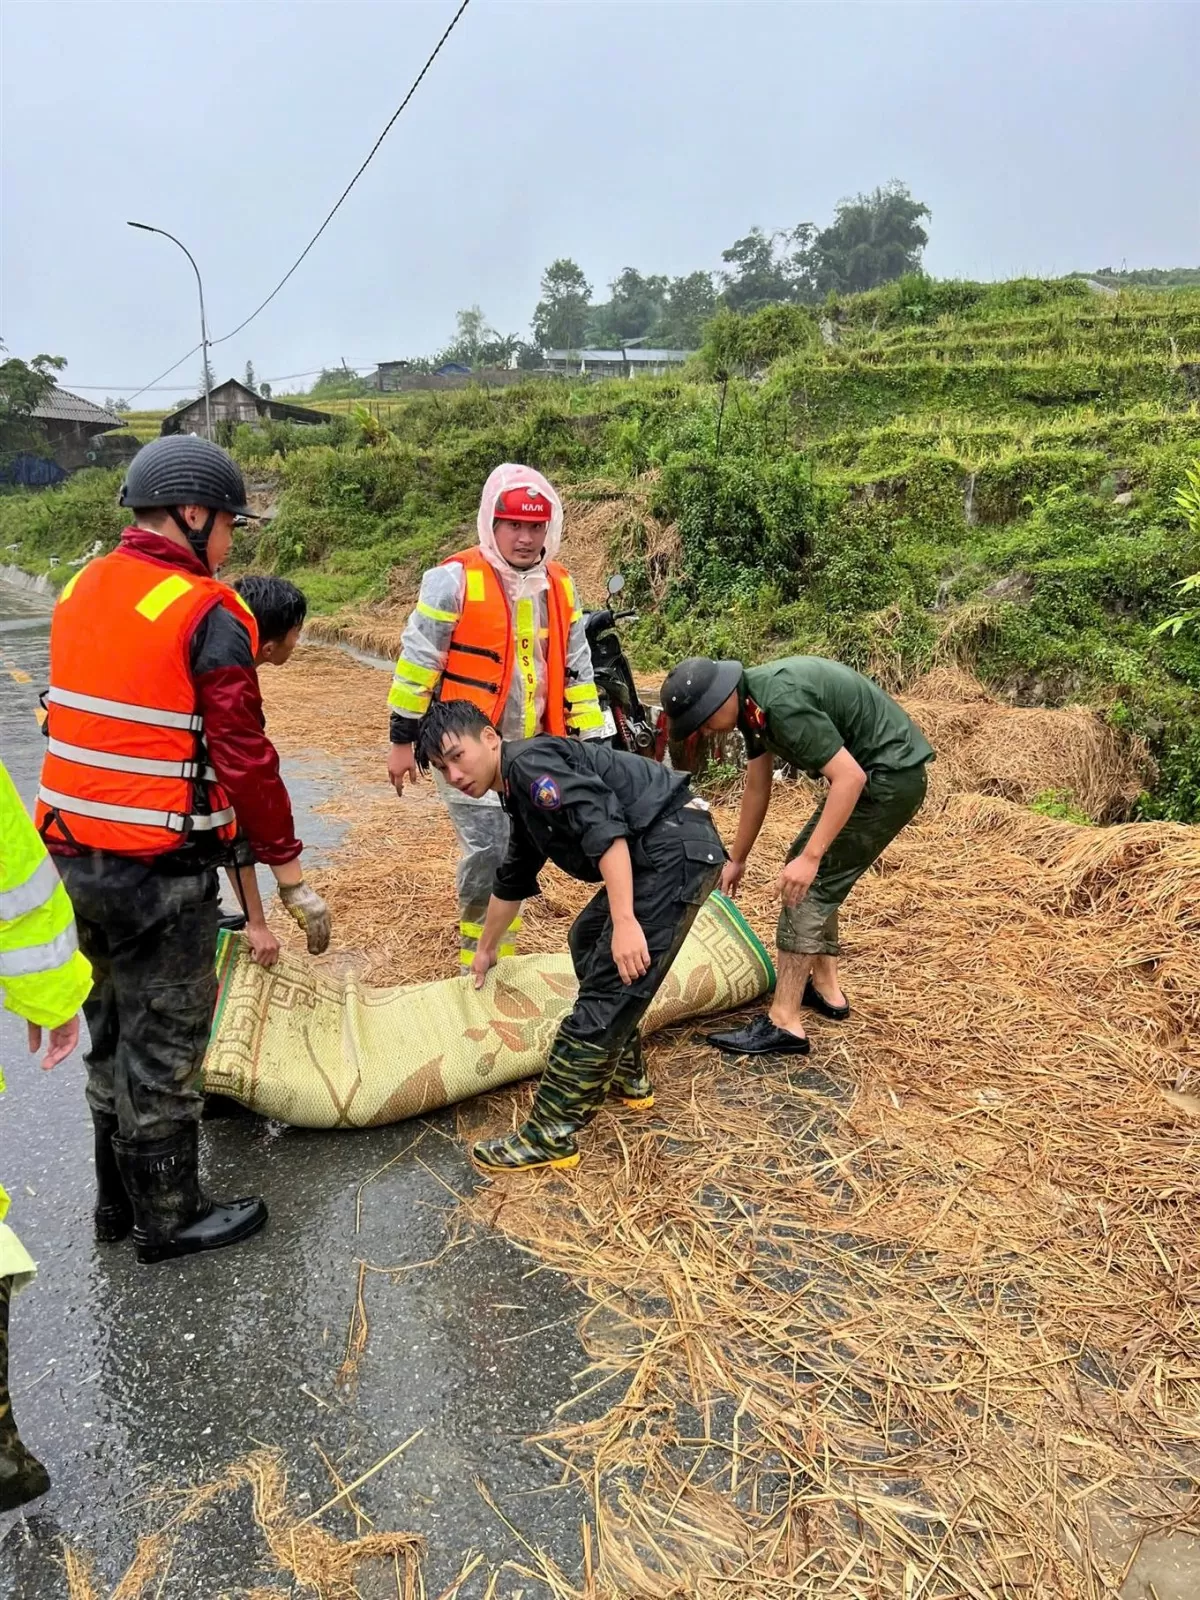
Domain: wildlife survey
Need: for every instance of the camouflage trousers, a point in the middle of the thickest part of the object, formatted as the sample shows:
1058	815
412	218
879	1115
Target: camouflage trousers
151	939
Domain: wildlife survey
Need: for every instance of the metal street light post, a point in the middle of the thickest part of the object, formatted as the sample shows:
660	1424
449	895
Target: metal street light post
146	228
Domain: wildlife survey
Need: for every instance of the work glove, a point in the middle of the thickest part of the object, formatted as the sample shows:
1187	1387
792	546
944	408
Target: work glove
308	911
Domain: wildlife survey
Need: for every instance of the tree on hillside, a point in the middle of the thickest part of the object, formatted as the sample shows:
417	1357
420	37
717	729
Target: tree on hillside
632	312
560	318
334	382
471	334
477	344
873	239
690	302
264	389
760	273
23	387
117	405
250	380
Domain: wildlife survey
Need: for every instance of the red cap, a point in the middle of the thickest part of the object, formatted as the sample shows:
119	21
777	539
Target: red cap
526	503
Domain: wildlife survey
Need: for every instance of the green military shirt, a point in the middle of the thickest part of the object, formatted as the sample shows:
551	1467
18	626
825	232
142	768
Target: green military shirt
810	708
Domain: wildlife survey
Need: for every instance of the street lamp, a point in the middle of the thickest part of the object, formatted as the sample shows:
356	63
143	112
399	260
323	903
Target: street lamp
146	228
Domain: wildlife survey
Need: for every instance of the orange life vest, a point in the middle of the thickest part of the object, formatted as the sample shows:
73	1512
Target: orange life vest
126	769
487	649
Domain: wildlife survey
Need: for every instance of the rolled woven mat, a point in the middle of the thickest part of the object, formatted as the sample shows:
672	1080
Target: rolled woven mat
319	1052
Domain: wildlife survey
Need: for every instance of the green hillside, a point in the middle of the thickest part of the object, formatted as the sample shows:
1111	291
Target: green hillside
931	472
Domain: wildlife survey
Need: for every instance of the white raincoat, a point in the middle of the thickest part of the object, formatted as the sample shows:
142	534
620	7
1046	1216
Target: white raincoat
481	825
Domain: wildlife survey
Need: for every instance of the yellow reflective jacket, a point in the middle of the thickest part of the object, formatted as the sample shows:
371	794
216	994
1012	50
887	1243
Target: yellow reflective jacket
43	974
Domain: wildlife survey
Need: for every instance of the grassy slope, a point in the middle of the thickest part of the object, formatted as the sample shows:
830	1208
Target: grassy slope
940	483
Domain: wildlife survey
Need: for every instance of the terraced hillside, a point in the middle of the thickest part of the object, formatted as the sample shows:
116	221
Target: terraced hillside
981	475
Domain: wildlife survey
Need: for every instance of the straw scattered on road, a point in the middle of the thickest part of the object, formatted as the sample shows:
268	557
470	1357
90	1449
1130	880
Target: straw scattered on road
917	1316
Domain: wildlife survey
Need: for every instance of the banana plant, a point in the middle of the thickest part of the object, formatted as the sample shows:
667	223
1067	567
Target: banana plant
1187	500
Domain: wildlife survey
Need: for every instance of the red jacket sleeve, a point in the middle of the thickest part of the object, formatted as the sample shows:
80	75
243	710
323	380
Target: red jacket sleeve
242	756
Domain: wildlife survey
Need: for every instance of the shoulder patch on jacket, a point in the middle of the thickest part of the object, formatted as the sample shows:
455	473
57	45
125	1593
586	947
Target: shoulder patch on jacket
545	793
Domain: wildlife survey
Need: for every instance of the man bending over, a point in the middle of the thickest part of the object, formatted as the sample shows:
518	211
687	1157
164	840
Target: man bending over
833	723
603	817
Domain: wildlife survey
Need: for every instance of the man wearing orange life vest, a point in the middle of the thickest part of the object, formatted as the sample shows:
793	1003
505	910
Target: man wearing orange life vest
156	753
498	625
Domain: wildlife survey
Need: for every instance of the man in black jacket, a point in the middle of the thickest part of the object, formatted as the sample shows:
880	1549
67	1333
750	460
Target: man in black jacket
603	817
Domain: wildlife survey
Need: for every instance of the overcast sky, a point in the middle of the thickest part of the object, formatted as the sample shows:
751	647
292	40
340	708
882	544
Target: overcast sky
1043	137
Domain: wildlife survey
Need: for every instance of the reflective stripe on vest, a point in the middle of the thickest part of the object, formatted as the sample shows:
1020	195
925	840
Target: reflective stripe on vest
527	665
199	822
144	765
151	716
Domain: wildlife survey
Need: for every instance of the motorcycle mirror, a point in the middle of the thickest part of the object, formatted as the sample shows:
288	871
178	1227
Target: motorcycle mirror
616	583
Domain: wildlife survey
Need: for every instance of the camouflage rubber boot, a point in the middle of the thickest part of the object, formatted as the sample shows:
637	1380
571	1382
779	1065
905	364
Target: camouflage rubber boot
22	1476
631	1082
571	1091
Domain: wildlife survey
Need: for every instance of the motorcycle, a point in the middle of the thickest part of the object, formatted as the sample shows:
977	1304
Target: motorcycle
626	720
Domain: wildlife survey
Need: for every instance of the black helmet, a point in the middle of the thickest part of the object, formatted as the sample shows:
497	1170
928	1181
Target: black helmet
695	689
183	470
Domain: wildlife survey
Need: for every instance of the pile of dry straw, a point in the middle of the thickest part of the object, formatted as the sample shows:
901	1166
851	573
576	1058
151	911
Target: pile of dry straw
915	1317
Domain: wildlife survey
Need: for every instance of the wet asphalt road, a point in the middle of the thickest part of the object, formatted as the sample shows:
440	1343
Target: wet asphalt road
128	1378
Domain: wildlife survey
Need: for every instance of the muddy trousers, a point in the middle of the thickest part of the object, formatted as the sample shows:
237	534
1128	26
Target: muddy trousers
151	939
482	831
676	864
22	1476
888	803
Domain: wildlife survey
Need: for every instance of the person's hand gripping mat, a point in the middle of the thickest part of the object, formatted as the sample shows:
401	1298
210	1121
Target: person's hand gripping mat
320	1052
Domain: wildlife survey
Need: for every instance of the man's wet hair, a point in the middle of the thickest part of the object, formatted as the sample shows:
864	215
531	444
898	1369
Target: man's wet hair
446	717
278	605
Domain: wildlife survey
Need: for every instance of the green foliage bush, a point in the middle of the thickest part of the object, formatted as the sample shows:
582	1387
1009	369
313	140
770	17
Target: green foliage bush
739	519
64	521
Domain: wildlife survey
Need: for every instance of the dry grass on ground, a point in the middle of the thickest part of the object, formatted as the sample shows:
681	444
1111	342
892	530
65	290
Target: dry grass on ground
313	1559
916	1317
1020	753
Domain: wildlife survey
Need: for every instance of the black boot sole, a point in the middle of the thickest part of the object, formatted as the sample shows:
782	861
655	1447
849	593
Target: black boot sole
188	1243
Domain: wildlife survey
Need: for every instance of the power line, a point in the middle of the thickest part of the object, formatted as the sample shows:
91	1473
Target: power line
118	389
153	381
416	84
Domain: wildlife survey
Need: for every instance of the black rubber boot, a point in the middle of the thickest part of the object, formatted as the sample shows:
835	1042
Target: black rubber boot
114	1213
22	1476
172	1215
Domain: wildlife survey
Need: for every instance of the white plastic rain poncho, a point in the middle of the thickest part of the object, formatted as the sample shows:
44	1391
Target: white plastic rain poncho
430	628
481	825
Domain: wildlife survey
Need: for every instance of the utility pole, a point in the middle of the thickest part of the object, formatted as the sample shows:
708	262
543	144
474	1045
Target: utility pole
146	228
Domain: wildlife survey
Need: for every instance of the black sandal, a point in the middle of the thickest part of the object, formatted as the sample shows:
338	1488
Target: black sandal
816	1001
